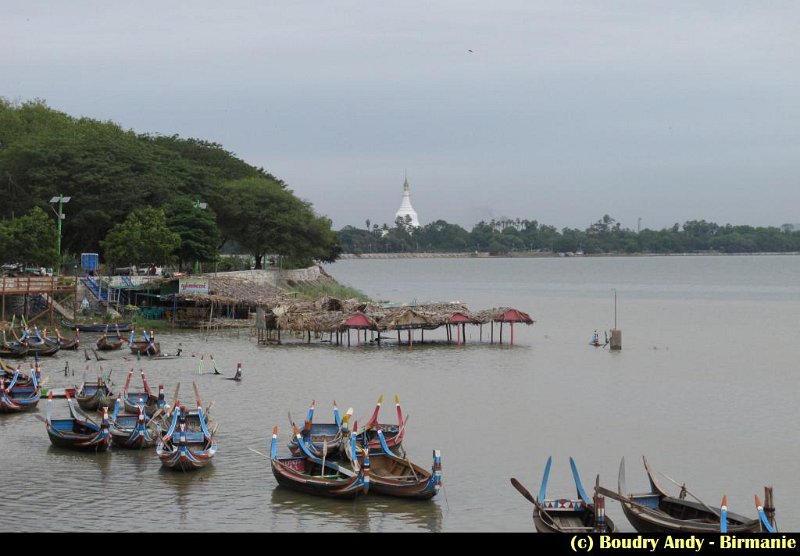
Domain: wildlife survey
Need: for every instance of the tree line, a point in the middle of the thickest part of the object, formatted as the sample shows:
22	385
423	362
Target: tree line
140	198
604	236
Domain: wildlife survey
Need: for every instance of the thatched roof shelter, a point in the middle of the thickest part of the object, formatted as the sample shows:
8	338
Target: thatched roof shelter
358	321
504	314
406	320
229	290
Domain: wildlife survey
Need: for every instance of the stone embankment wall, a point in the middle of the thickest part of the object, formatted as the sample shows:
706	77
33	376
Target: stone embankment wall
279	278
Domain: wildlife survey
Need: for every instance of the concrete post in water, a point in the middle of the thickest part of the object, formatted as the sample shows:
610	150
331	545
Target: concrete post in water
616	339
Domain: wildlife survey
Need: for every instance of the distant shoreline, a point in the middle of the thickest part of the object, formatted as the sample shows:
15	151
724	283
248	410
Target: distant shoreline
531	255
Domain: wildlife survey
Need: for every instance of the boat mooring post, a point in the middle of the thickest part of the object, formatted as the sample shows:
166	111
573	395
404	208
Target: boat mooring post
616	334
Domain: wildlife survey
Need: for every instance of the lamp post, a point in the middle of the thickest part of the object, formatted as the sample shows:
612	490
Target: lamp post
61	200
201	206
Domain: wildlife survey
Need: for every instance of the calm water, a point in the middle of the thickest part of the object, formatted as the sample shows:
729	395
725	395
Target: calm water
704	386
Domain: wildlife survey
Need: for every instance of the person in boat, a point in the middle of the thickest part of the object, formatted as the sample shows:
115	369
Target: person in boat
238	375
595	338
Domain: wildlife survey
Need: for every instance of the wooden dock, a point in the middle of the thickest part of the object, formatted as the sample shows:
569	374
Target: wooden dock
47	286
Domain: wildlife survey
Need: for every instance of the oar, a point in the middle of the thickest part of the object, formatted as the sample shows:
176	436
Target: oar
197	394
155	415
249	448
683	487
524	492
175	396
620	498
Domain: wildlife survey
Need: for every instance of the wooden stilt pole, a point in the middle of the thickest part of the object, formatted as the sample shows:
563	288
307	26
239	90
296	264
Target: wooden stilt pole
348	337
398	336
501	332
512	333
458	331
422	334
491	323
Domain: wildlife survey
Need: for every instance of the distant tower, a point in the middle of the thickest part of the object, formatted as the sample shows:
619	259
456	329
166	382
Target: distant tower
405	207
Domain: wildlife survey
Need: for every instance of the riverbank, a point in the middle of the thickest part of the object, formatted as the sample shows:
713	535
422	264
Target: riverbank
536	254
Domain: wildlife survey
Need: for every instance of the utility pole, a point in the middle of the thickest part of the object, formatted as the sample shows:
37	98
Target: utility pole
61	200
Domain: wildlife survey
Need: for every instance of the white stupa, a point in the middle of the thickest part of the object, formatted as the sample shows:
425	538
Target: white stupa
405	207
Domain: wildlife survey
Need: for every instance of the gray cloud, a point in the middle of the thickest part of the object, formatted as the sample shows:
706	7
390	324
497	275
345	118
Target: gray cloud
562	112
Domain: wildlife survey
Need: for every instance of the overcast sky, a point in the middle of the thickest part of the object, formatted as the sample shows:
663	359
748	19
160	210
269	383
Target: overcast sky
556	111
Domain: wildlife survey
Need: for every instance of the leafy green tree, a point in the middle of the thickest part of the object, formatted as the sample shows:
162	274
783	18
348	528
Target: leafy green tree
143	237
30	239
264	217
197	228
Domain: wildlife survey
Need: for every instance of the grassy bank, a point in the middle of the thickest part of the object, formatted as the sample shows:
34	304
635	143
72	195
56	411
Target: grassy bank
317	290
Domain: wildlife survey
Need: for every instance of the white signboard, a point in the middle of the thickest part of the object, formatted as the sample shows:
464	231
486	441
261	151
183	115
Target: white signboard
193	286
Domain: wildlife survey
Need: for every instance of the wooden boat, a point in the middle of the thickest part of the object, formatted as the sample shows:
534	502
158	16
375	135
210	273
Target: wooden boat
146	398
187	445
94	395
321	437
148	346
7	373
102	327
322	477
12	351
391	475
107	344
658	512
133	431
16	396
78	432
238	375
37	345
393	434
68	343
567	515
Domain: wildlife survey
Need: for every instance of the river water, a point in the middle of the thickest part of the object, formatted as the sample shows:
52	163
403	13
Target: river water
704	387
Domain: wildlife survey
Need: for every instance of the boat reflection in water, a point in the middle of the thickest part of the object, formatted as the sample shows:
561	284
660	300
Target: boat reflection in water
295	511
